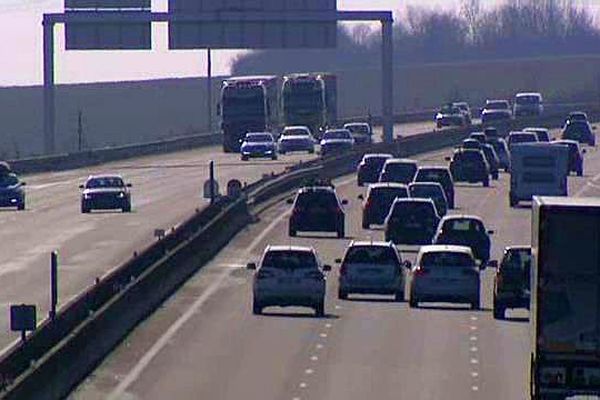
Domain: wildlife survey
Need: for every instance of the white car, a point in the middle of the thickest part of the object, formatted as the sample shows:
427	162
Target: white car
445	273
336	140
296	138
289	276
361	131
372	268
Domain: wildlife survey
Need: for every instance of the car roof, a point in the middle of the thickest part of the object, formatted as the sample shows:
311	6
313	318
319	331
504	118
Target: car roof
461	216
424	183
400	161
356	124
413	200
528	94
100	176
434	168
291	248
565	141
378	155
296	127
517	247
463	150
496	101
258	134
435	248
534	129
370	243
577	113
460	103
394	185
337	130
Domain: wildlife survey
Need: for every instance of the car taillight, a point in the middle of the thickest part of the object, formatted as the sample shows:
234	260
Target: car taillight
298	210
421	271
343	270
499	280
369	203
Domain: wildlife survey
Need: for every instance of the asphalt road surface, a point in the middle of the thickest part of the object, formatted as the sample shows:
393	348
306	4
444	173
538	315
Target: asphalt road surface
204	343
166	190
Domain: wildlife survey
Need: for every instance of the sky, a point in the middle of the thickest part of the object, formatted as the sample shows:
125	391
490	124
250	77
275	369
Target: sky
21	47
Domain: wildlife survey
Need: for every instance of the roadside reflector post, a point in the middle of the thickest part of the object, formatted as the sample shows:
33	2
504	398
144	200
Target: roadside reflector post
211	169
53	283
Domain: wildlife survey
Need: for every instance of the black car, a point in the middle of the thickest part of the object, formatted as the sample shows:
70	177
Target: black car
580	131
492	159
502	152
576	116
465	230
399	171
471	144
575	155
469	165
105	192
543	134
479	136
379	199
441	175
511	283
520	137
317	209
411	222
12	193
370	168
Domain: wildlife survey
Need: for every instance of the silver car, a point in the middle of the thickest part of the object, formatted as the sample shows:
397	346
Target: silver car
289	276
445	273
372	268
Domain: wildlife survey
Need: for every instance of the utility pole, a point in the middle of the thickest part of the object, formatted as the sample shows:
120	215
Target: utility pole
209	90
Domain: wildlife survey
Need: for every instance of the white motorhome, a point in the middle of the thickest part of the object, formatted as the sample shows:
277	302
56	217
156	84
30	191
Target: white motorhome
538	169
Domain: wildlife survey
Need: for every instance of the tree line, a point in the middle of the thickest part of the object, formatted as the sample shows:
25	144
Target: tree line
514	29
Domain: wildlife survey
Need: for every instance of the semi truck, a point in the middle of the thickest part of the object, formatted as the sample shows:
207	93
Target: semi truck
310	99
565	298
538	169
248	104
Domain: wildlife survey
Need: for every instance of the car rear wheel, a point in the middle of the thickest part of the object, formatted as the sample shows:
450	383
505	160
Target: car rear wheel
413	303
85	209
499	311
512	201
244	158
320	309
580	172
341	232
486	183
292	232
256	308
21	205
495	176
399	296
342	294
366	225
126	208
274	157
475	304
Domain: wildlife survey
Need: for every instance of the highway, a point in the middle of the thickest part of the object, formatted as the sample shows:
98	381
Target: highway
166	190
204	343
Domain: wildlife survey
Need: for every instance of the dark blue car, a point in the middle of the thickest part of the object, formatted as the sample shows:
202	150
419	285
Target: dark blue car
12	193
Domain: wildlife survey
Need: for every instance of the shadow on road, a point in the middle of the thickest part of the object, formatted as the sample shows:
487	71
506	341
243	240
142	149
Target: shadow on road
298	315
451	308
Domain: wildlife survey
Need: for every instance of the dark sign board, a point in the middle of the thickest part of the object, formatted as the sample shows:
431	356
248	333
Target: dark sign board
108	35
223	33
22	318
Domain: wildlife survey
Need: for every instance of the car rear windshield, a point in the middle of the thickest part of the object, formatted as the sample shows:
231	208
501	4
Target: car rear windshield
375	161
107	182
371	255
524	100
425	191
259	138
463	225
499	147
517	260
522	138
446	259
420	210
497	105
577	127
401	170
472	156
387	194
289	260
319	199
8	180
360	129
294	132
433	175
337	135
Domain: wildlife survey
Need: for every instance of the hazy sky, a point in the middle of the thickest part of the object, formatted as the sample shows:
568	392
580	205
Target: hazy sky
21	47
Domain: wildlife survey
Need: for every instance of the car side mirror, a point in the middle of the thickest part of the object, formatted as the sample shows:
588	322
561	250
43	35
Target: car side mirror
344	202
447	158
80	186
493	264
490	232
593	128
584	151
251	266
129	185
290	201
23	183
326	268
407	264
338	260
361	197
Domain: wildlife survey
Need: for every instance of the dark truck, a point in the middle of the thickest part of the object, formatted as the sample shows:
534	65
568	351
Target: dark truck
565	298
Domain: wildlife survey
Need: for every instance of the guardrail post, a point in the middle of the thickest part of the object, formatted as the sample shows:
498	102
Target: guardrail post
49	108
211	169
387	69
53	283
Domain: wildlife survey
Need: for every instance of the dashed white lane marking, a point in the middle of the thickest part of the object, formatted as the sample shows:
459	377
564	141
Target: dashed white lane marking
303	385
474	361
473	327
295	398
323	335
309	371
473	338
473	318
319	346
474	388
337	307
474	374
327	326
167	337
474	349
314	358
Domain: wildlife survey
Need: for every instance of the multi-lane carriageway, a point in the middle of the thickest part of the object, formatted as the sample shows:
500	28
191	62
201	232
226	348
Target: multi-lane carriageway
204	343
166	190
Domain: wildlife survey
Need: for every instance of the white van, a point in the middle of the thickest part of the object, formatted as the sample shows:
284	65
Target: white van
528	104
538	169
